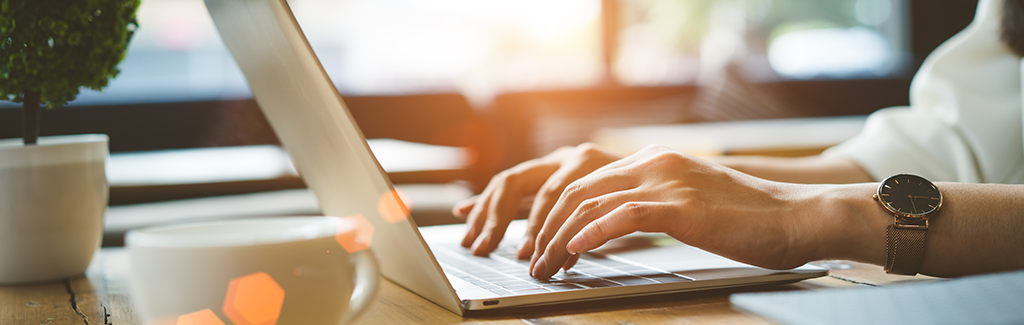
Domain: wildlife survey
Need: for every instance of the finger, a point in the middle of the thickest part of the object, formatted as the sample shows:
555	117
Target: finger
462	208
626	219
554	252
615	168
531	174
479	213
571	262
592	185
526	244
505	199
475	220
545	199
501	209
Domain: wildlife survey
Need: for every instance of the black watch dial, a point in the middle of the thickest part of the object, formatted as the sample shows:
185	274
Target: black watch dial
910	195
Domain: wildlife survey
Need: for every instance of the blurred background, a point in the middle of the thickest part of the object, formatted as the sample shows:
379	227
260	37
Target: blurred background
484	48
500	81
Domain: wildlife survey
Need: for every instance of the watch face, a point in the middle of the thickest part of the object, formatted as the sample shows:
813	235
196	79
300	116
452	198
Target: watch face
909	195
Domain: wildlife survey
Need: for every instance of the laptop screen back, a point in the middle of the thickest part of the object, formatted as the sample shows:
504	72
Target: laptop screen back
329	150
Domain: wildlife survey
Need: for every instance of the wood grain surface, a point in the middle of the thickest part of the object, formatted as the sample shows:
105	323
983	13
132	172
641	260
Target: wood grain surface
101	297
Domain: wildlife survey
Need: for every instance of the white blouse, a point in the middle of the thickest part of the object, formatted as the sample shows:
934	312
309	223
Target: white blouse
964	119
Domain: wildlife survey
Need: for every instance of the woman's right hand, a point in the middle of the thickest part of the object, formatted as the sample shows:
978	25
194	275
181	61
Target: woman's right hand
543	179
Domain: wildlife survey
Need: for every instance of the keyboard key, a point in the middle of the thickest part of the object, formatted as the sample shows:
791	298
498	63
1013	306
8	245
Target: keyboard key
530	291
507	282
587	266
648	273
505	275
629	280
574	277
501	292
512	269
561	287
607	273
598	283
533	280
518	286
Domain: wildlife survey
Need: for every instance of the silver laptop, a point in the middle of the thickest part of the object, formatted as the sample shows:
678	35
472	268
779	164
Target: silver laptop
330	152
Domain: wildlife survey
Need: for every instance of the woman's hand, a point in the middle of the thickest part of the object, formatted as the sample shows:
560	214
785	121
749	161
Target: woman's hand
723	211
584	197
541	179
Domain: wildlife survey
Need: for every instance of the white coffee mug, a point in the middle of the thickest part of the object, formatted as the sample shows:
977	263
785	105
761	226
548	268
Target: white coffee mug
287	270
52	198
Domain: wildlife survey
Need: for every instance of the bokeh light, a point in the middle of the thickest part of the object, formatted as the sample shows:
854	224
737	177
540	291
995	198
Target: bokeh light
202	317
355	233
254	299
830	52
392	206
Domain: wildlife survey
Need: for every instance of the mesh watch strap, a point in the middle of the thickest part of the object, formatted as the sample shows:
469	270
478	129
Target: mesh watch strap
904	250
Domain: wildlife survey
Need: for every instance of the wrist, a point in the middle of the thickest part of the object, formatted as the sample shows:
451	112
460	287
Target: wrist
846	223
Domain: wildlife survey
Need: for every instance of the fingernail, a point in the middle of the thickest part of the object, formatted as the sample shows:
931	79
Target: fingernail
540	268
470	237
576	244
523	252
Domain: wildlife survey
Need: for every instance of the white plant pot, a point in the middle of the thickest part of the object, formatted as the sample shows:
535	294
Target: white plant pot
52	199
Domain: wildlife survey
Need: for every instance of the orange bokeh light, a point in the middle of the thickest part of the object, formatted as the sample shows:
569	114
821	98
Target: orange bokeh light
355	233
254	299
391	206
202	317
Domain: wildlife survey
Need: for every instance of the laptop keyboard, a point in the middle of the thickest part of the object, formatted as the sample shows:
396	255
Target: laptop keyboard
503	274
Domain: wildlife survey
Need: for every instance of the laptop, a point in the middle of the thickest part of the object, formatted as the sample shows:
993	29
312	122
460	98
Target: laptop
329	150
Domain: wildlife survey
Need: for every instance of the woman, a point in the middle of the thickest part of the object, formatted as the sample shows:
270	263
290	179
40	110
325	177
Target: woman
962	130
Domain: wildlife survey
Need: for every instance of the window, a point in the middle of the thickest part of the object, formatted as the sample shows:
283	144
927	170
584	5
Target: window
682	41
481	48
374	47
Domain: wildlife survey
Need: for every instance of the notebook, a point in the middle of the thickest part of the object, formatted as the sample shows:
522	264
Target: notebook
984	299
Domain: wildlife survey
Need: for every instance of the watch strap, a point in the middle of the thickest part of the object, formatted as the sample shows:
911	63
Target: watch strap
904	250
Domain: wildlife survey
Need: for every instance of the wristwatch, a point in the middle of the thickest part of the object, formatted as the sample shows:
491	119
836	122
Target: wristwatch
911	199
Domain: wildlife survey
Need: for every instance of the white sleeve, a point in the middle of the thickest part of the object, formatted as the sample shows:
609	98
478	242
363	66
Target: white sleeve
964	122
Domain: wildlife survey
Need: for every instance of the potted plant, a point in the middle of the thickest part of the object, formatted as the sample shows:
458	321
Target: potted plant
53	190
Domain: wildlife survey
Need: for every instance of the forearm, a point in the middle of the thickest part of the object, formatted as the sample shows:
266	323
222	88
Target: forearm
979	229
805	170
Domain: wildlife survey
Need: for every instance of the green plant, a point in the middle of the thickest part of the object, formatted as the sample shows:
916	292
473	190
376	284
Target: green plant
49	49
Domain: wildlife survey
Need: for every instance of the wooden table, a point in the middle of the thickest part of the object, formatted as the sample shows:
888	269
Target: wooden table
101	297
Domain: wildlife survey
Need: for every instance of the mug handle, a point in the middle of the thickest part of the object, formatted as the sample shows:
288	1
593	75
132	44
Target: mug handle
367	281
